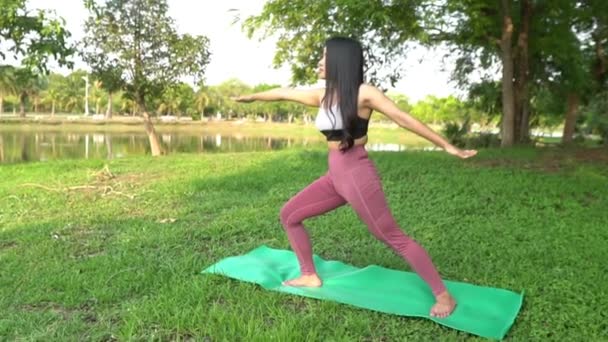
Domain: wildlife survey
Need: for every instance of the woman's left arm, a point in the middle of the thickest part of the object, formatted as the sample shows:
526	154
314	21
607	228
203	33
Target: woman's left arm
377	100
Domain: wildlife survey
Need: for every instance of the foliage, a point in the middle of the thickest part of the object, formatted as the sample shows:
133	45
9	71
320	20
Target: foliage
303	25
34	36
595	117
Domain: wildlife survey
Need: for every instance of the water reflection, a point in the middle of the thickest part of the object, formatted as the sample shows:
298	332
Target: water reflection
24	146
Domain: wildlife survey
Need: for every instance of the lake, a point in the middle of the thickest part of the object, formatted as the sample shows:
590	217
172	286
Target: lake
19	145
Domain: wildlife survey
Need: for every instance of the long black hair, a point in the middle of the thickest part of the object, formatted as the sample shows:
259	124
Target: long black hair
343	76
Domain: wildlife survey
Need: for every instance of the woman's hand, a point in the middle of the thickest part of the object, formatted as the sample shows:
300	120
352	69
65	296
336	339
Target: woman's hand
453	150
243	98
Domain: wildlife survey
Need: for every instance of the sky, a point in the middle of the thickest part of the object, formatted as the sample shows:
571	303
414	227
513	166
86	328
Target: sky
233	55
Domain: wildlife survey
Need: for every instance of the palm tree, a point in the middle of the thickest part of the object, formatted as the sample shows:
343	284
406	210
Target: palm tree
28	84
201	101
96	94
7	83
51	95
71	92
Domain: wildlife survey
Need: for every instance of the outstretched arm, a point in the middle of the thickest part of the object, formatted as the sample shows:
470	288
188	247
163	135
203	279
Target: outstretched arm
306	97
376	100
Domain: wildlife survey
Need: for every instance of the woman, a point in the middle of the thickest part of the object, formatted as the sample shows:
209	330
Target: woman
345	107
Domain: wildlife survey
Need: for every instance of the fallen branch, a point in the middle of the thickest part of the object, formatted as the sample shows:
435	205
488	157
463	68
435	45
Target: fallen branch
101	176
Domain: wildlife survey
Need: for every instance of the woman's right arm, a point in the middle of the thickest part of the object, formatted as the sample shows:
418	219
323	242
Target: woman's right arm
310	97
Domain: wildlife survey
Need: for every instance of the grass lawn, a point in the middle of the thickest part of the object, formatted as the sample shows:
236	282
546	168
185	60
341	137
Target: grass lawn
95	253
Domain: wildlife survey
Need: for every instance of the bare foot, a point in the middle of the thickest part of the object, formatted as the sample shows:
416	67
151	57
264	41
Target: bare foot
310	280
444	306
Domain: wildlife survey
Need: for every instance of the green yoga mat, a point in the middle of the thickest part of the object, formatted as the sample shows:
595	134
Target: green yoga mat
483	311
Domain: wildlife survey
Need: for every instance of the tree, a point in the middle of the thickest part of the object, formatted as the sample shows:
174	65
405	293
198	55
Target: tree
111	81
531	41
177	99
201	101
506	35
70	90
593	23
472	28
303	25
595	115
137	39
229	88
33	36
7	83
27	84
53	92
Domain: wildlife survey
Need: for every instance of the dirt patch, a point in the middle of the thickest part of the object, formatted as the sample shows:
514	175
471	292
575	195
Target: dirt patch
86	310
595	155
6	245
296	304
551	160
55	308
549	166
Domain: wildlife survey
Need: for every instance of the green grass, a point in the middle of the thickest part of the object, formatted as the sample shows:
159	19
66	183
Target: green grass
121	258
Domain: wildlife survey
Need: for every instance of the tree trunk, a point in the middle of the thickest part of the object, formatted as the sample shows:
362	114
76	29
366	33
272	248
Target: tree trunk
508	103
22	97
522	100
36	105
53	109
1	105
155	147
571	113
109	110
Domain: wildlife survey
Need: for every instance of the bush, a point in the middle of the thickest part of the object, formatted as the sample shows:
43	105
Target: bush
456	133
483	140
459	135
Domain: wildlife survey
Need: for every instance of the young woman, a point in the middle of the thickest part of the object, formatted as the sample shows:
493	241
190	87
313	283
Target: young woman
345	107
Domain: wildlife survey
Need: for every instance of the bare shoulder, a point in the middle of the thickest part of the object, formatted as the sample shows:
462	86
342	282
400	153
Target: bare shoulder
376	100
369	93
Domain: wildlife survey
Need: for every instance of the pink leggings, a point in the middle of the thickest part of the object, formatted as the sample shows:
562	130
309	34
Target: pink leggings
352	178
